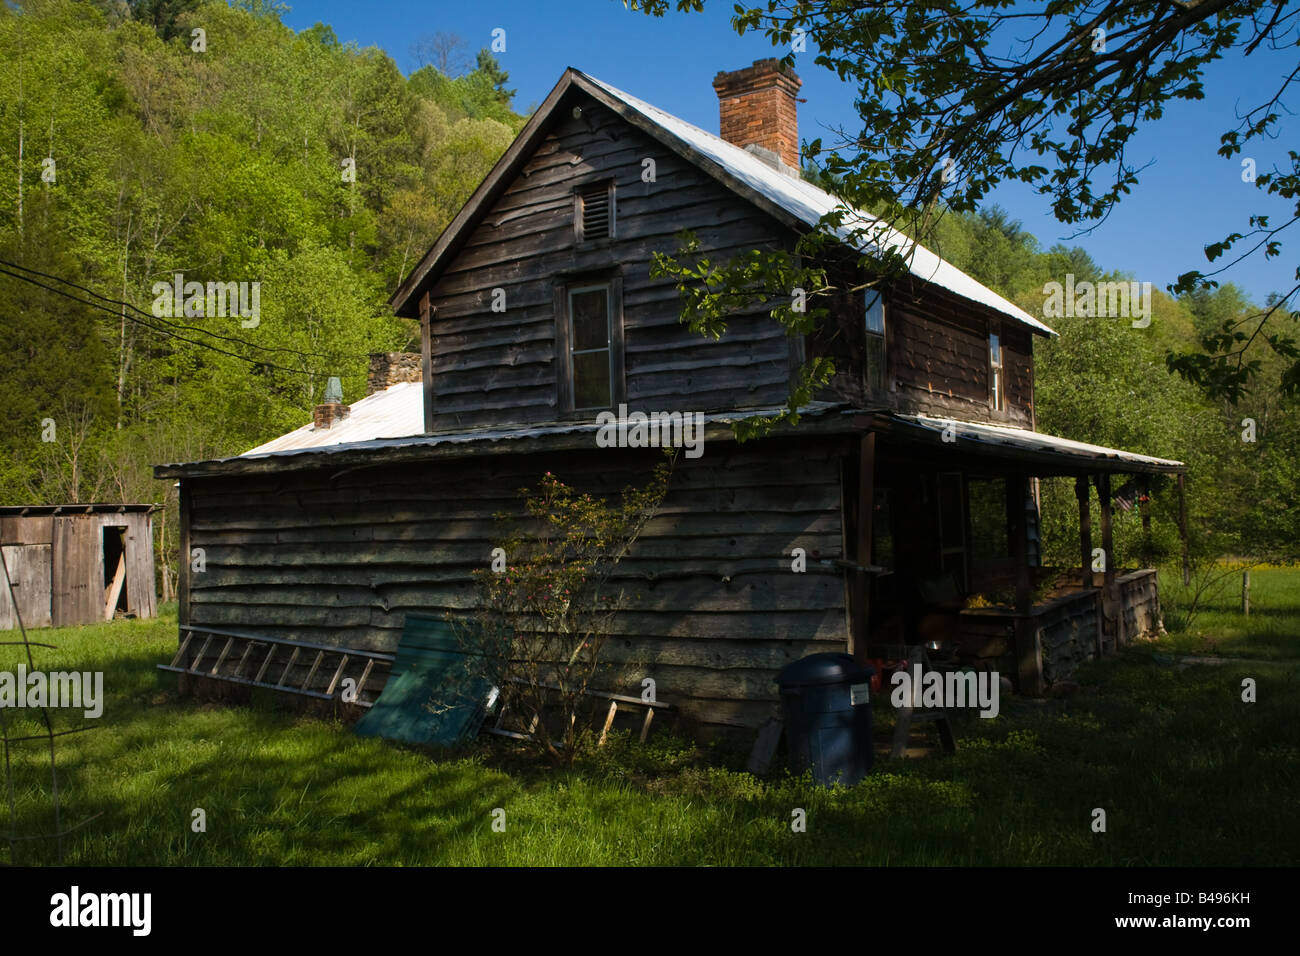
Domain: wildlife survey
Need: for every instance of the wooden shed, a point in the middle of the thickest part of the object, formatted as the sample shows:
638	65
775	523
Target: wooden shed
76	564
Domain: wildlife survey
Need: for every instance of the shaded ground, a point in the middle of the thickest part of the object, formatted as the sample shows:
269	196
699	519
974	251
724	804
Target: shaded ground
1186	772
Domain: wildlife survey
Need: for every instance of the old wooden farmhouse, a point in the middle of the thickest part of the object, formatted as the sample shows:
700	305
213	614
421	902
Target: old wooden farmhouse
909	483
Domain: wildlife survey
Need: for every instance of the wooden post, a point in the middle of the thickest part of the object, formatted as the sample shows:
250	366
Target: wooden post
426	359
1182	529
863	546
1081	492
1109	604
1245	592
183	565
1028	662
1144	506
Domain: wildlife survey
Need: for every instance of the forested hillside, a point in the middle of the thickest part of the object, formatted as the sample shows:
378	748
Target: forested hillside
133	149
130	154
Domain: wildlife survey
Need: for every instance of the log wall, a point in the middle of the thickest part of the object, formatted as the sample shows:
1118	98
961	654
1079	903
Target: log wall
714	607
937	351
497	368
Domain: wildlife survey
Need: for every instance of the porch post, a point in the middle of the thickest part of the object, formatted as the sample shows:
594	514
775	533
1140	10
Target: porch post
1109	605
426	359
183	564
1085	527
1182	529
1144	506
1028	655
861	596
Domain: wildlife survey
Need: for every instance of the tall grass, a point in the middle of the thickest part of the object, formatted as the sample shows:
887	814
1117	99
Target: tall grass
1186	772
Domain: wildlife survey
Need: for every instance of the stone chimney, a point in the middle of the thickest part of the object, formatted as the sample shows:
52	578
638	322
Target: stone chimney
331	409
759	111
390	368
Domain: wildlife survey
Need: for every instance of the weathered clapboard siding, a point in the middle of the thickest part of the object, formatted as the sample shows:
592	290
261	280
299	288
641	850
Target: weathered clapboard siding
713	606
937	352
29	574
494	368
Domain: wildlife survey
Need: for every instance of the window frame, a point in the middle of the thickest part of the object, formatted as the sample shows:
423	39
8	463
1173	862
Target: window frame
563	294
870	336
997	372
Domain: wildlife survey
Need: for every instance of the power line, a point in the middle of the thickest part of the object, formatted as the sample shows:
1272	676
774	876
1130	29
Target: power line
189	328
162	330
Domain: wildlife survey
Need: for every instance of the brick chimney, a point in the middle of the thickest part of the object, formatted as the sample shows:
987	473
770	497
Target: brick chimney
757	107
390	368
331	409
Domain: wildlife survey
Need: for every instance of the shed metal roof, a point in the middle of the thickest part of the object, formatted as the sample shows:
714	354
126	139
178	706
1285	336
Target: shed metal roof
371	440
395	412
1072	455
69	510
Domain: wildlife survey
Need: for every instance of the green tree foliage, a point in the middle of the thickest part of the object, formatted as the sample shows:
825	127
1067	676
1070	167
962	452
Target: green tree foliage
957	96
311	167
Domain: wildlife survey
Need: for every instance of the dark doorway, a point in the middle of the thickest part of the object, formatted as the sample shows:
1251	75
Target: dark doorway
115	599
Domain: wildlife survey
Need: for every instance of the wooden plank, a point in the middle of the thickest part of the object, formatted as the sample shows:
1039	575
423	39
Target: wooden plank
141	586
320	656
1182	529
185	536
180	651
860	627
29	569
426	360
334	681
1082	493
1109	597
198	658
27	530
609	722
77	579
293	659
114	590
1028	658
370	663
221	658
265	664
239	668
760	757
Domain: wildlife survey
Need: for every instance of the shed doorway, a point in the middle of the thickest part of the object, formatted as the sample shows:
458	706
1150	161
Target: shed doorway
115	585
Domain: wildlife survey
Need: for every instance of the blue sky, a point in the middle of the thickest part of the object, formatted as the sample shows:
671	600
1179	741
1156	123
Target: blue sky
1189	197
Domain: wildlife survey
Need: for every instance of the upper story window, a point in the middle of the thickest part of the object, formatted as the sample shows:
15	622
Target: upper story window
874	360
593	217
997	383
590	333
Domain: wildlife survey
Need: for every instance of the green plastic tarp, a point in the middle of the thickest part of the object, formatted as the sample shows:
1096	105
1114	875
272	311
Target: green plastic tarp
435	695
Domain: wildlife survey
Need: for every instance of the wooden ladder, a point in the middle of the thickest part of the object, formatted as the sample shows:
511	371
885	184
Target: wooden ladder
611	712
254	659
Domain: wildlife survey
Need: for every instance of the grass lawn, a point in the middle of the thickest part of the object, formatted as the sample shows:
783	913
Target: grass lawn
1186	772
1270	632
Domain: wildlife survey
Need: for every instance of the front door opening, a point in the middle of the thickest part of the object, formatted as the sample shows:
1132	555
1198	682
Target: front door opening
115	599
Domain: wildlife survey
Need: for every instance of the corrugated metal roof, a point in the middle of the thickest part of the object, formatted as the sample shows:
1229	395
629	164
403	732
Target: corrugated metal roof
1023	440
809	203
396	412
521	434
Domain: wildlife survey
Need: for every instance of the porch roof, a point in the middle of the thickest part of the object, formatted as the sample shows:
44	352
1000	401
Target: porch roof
1040	454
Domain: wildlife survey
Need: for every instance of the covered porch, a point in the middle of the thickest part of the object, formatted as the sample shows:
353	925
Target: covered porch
945	531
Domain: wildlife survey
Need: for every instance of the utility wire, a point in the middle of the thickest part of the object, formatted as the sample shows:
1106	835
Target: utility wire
155	328
189	328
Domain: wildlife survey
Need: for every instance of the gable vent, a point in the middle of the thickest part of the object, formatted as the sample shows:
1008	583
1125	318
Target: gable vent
595	212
